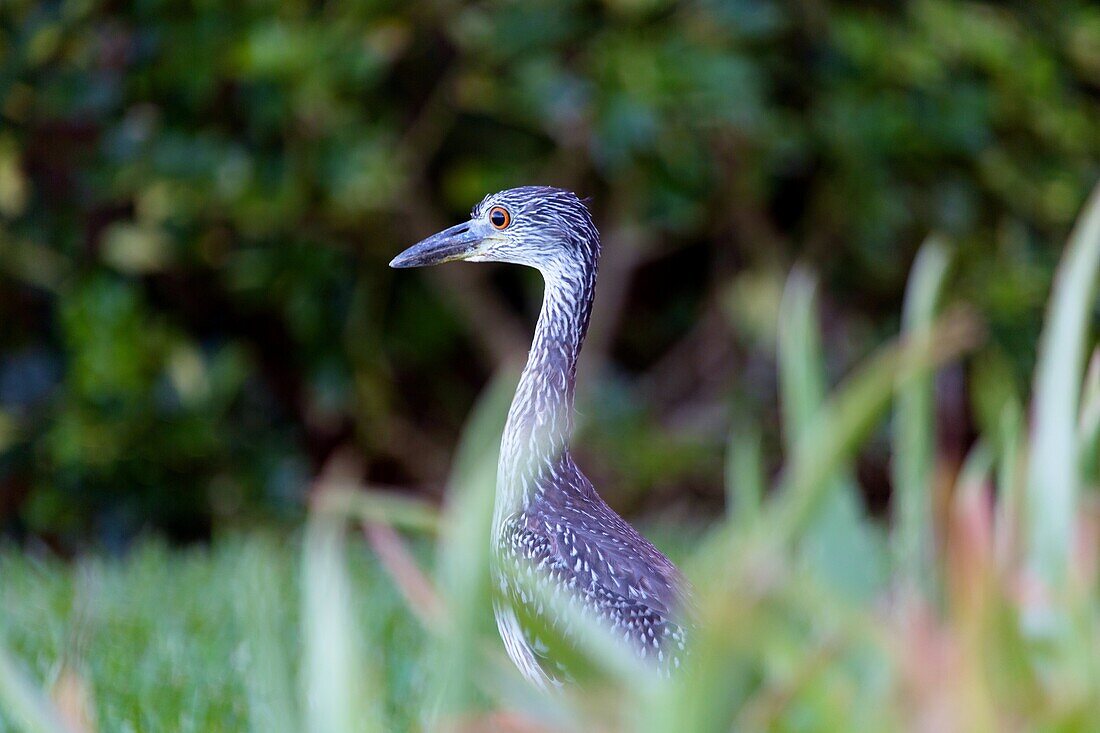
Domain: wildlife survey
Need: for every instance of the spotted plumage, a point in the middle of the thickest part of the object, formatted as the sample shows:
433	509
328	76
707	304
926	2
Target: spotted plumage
570	539
559	550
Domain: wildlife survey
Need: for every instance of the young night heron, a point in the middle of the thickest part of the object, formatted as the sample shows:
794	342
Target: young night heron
549	524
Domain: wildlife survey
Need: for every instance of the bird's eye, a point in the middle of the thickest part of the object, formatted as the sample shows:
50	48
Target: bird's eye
499	217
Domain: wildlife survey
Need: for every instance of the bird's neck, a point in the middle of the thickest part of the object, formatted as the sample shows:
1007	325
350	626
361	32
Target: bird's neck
536	436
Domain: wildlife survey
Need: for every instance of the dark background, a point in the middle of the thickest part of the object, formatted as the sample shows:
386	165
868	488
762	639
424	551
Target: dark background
198	201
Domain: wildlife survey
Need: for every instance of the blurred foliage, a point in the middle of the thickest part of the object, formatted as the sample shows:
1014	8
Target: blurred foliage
198	199
985	617
180	656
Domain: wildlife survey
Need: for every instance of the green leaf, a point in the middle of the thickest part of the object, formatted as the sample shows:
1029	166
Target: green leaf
744	476
838	543
1053	471
914	431
1010	481
340	696
1090	423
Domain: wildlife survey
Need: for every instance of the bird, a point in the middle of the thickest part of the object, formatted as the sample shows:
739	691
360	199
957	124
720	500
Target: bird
550	527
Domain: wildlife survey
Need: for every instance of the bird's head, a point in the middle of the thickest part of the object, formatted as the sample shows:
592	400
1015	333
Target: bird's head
539	226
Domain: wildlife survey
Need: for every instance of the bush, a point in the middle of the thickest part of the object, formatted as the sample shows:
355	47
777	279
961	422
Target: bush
197	201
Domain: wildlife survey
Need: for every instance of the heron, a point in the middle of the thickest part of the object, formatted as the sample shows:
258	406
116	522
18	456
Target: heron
550	527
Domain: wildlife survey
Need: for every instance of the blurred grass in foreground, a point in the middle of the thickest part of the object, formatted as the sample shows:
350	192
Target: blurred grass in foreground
194	640
987	616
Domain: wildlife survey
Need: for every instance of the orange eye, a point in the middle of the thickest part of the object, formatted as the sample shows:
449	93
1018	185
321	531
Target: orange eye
499	217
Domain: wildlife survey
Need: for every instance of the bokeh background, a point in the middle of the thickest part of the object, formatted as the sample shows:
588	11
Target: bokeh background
198	201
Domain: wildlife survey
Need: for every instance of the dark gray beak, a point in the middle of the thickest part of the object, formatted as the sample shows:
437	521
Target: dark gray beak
450	244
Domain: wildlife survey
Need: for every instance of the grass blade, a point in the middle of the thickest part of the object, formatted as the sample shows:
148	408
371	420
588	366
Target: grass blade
971	588
744	476
339	698
801	368
269	678
372	505
1053	477
464	555
914	430
837	543
1090	423
1010	482
27	705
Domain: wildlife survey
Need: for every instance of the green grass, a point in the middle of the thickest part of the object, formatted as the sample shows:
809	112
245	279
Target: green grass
159	636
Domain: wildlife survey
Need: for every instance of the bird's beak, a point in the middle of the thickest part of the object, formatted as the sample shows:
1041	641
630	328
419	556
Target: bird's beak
456	243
